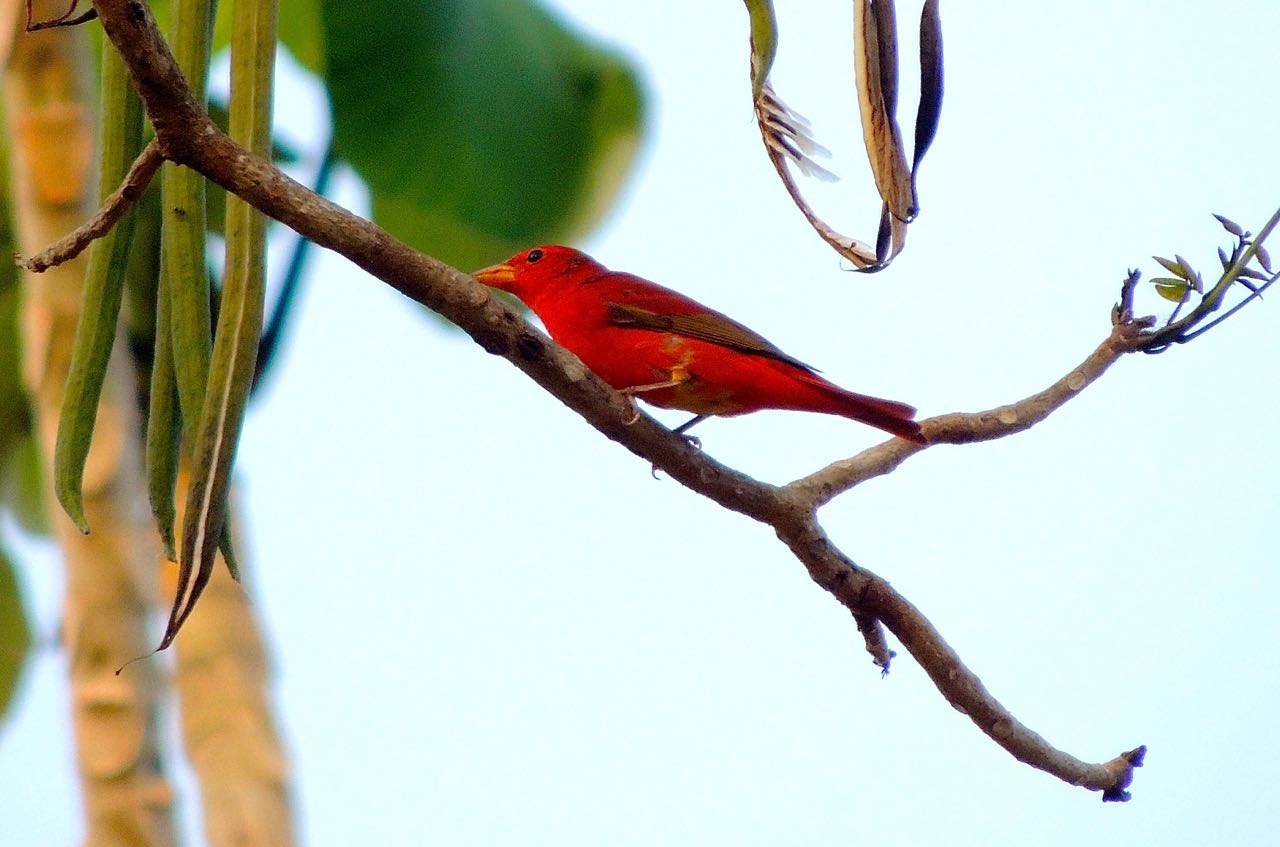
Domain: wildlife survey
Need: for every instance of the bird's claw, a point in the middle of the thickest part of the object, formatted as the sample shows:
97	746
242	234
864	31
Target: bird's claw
635	410
692	440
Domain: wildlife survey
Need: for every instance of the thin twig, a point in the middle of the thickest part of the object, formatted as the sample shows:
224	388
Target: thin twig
1255	294
869	595
72	245
64	19
965	691
1157	341
822	486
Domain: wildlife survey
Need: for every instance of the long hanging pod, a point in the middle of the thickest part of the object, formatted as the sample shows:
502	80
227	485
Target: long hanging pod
182	250
235	348
789	143
164	426
876	64
930	109
184	278
121	142
147	319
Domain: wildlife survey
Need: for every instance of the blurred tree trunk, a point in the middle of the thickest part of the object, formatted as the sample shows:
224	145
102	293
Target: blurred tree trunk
227	727
110	579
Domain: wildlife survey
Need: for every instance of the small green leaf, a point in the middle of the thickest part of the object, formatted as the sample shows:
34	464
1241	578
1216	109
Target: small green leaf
15	633
1172	289
1173	267
764	43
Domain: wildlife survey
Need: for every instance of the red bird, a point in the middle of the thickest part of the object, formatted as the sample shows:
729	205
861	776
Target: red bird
654	343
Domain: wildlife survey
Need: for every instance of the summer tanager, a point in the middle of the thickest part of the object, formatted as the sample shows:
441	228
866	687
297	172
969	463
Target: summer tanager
650	342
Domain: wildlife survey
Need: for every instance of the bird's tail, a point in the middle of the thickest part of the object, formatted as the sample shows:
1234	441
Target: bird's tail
892	417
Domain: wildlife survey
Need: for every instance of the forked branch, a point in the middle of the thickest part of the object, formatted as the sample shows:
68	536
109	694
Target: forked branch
186	135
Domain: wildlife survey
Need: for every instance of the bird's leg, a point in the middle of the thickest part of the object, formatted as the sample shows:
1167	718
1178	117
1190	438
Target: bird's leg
631	391
689	424
693	440
635	410
679	376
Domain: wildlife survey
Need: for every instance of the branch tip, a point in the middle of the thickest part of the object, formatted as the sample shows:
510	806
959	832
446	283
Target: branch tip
1122	766
121	200
1235	268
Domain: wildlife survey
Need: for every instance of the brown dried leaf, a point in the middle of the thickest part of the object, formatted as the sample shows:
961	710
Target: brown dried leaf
875	66
786	138
789	132
929	111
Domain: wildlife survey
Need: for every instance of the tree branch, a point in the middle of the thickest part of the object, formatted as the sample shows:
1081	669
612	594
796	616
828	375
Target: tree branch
187	136
822	486
965	691
1159	340
867	594
73	244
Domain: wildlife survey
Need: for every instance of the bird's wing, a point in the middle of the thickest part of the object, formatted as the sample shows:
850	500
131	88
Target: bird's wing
707	326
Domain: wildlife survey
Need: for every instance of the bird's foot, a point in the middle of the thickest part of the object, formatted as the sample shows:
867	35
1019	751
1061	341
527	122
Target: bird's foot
692	440
635	410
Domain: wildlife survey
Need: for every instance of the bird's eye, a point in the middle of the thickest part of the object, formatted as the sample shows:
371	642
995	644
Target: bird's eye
534	255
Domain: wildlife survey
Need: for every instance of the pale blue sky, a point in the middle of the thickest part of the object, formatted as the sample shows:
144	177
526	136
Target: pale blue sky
492	626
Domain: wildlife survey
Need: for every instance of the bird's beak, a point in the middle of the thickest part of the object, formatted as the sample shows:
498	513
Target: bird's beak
498	276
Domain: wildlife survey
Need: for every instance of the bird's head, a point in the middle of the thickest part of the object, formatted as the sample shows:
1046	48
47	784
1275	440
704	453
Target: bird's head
528	274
